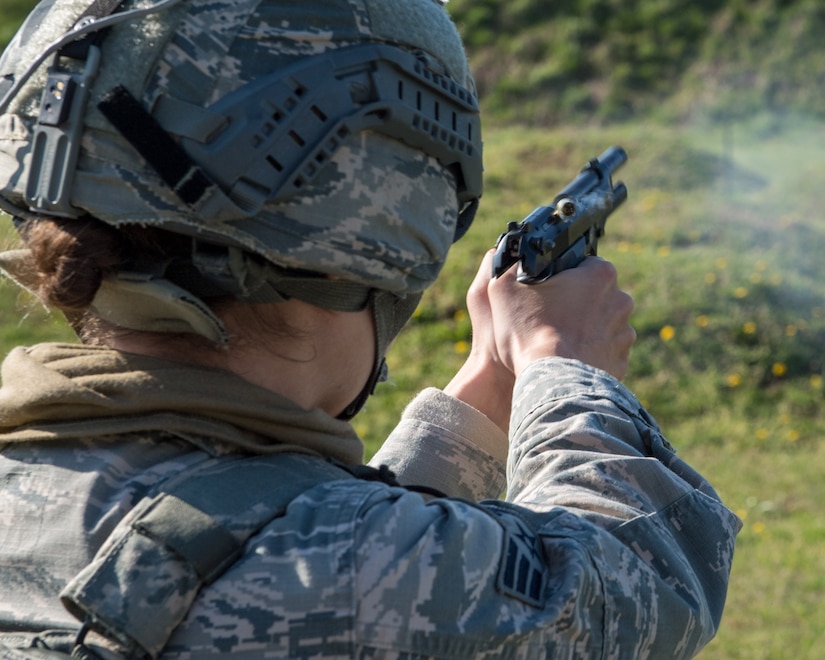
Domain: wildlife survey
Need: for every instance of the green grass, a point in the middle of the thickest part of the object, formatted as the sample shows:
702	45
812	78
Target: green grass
12	13
22	319
721	245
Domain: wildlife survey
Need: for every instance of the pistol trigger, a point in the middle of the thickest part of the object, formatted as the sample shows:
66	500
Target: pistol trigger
501	263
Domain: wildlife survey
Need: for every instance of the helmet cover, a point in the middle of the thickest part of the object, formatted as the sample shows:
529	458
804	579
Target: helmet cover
379	210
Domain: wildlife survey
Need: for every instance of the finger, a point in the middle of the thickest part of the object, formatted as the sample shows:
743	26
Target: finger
477	291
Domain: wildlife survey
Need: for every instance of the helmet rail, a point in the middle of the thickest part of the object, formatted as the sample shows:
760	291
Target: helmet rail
275	134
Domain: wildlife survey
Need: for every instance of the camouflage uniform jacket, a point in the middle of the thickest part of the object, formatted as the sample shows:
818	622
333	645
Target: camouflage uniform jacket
607	545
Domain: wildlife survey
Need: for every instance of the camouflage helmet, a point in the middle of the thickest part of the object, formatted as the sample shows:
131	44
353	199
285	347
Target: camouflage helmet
288	140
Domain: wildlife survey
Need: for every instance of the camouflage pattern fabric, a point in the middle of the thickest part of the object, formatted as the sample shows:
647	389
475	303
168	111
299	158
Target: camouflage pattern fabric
607	545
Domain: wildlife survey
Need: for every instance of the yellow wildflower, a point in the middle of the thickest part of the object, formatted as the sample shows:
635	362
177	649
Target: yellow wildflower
779	369
734	380
462	347
667	333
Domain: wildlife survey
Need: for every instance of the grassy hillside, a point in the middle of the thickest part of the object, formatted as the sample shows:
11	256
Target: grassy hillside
545	62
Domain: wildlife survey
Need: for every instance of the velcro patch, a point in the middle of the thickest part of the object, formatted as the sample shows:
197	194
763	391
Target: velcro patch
522	572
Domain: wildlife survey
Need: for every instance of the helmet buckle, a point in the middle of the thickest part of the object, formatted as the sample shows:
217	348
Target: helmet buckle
57	134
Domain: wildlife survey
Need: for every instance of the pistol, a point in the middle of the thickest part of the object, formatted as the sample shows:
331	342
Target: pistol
557	237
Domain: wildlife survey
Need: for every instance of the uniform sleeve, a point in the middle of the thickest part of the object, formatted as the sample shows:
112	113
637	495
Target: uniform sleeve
607	545
583	444
445	444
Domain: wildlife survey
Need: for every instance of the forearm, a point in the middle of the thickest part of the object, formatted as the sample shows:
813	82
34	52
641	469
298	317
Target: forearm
572	423
582	443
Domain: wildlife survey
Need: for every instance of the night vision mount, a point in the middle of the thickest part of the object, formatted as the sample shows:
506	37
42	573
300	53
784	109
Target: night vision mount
279	131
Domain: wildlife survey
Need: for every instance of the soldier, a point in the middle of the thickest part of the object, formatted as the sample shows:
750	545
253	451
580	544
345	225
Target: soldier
237	204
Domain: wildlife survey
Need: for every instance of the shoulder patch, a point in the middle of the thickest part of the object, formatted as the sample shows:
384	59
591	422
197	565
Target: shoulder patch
521	573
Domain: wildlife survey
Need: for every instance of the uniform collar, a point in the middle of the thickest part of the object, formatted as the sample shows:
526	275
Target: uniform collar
56	391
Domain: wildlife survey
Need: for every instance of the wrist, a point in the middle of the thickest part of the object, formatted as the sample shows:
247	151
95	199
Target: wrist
487	386
540	345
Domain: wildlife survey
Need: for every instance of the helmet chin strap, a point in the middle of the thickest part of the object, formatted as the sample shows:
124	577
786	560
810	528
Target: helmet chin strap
390	314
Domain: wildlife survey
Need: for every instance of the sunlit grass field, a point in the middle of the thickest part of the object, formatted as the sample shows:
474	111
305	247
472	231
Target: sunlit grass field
721	243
